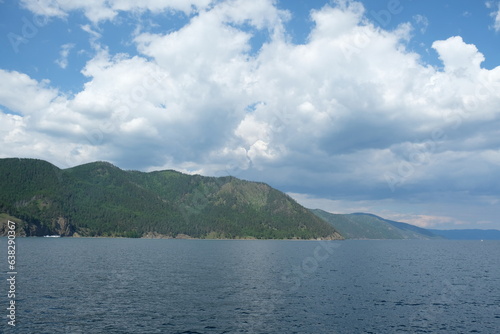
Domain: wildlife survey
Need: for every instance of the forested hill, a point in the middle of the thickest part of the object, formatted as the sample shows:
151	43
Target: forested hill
99	199
369	226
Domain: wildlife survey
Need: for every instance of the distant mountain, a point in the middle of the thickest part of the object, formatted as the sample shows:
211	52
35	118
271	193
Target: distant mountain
472	234
99	199
369	226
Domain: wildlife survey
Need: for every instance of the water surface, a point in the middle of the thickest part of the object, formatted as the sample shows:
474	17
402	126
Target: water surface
84	285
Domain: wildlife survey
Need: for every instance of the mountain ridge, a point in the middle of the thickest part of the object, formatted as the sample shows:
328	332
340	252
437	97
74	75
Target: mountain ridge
360	225
369	226
100	199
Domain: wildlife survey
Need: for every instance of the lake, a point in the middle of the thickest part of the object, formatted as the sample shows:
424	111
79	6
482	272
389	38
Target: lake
85	285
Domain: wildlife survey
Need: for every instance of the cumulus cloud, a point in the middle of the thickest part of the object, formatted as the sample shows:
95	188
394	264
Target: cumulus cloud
22	94
339	94
349	113
457	56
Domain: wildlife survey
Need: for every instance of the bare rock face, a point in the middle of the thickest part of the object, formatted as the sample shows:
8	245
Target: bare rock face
154	235
59	226
183	236
62	227
23	229
4	225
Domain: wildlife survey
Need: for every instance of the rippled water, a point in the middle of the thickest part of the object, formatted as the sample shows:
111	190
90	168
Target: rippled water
68	285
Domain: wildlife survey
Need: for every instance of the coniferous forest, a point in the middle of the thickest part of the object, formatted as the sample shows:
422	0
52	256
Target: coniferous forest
99	199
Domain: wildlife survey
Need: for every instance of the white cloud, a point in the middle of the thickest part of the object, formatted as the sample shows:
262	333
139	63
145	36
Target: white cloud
102	10
496	25
64	53
457	56
47	127
425	221
13	129
422	22
22	94
350	77
495	14
94	36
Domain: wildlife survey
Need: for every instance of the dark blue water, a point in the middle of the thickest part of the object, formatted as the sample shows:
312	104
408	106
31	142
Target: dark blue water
71	285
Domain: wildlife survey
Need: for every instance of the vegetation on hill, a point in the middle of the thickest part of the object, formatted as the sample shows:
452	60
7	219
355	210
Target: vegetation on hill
99	199
368	226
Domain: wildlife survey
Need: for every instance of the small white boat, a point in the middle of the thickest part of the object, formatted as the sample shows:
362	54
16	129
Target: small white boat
51	236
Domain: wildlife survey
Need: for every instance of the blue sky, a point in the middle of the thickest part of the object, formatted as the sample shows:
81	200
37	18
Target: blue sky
389	107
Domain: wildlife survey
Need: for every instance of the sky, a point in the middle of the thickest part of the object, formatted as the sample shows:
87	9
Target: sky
384	106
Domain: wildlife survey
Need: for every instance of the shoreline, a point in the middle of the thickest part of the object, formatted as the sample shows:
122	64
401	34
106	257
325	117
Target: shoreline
172	238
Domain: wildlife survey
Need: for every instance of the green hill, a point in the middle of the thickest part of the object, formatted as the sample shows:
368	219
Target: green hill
99	199
368	226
